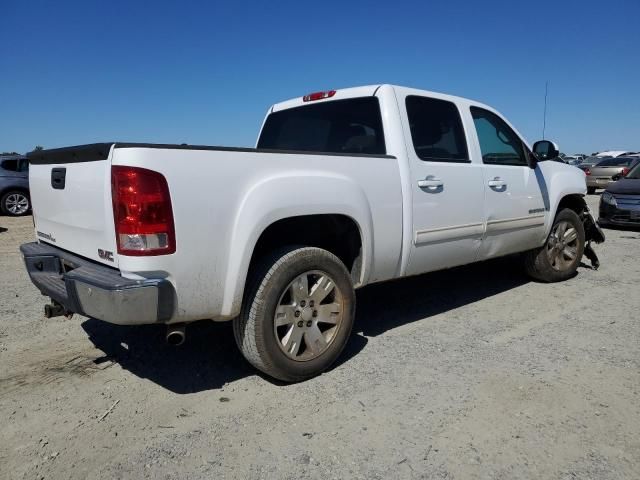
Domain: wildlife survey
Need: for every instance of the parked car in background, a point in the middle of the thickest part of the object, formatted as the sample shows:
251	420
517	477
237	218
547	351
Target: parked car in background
611	153
14	185
620	202
572	159
590	162
603	173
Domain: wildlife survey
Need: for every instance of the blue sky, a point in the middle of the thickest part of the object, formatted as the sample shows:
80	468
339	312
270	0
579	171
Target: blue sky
205	72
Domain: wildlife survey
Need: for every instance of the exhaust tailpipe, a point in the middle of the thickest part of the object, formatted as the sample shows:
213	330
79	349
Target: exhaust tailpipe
175	334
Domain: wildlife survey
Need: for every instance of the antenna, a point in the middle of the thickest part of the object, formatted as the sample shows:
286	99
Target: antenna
544	118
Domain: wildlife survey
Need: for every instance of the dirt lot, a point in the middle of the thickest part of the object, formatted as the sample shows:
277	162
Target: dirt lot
471	373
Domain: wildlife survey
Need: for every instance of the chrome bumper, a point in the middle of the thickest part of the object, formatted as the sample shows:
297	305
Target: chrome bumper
95	290
598	182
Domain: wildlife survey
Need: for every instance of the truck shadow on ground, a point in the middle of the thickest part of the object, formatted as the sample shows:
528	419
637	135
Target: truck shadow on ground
209	358
384	306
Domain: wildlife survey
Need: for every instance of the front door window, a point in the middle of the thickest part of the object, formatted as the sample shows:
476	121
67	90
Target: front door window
499	144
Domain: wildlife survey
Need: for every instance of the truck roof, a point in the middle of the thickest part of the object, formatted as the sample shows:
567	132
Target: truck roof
369	90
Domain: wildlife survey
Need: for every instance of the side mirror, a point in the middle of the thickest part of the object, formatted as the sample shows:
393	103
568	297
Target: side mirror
545	150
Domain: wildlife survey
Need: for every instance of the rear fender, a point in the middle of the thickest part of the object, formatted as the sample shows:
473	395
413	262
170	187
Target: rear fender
273	199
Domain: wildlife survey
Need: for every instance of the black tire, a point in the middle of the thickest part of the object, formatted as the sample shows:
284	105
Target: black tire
539	264
8	204
254	329
591	190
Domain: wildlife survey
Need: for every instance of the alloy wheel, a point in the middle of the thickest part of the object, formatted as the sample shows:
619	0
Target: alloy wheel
562	246
308	315
17	203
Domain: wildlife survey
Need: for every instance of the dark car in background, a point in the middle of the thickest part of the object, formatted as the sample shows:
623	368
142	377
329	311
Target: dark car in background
620	202
603	173
14	185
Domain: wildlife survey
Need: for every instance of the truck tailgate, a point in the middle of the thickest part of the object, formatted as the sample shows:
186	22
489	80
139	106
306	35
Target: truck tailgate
71	195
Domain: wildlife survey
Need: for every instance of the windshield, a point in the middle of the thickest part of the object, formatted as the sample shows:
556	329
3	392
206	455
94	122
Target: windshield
339	126
634	173
616	162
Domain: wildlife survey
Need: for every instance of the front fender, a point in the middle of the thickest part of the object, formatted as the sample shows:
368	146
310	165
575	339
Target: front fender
287	195
560	181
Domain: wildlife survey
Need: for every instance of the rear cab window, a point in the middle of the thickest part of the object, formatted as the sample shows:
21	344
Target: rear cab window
350	126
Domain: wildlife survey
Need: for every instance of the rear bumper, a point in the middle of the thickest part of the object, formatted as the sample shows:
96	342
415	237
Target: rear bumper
97	291
598	182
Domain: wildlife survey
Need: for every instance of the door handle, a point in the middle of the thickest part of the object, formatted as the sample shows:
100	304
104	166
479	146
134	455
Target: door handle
58	176
497	182
430	182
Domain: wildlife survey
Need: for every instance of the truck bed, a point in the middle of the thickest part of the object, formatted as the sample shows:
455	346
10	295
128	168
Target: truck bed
218	195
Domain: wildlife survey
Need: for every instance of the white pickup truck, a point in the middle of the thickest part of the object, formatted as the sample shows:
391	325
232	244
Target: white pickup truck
345	188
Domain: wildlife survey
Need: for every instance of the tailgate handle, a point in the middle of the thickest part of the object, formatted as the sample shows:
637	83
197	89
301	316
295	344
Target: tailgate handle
58	178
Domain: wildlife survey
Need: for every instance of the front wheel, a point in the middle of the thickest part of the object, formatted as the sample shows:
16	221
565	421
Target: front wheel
297	313
560	256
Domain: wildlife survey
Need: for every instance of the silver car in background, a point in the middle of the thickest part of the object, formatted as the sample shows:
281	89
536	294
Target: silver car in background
603	173
14	185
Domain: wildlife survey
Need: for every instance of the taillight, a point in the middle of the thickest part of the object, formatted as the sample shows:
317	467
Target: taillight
142	212
624	172
318	96
587	171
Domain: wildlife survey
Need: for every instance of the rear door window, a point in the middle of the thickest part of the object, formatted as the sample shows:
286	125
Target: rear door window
436	130
351	126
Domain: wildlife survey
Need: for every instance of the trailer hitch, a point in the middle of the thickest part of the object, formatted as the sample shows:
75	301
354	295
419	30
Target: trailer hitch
55	309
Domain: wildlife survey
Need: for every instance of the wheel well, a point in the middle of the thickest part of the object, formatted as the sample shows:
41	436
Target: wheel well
338	234
574	202
14	189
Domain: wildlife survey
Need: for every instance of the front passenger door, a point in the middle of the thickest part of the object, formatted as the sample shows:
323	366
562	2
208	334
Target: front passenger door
515	208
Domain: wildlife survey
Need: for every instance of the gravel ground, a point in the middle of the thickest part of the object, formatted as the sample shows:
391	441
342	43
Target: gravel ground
470	373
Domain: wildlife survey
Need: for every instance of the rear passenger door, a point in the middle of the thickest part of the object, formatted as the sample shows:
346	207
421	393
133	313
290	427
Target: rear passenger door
446	187
515	207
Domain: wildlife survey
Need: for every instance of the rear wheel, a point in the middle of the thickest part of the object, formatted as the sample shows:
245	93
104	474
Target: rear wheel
15	203
560	256
297	313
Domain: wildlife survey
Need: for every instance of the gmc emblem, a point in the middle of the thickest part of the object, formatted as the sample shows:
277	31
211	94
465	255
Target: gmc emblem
105	255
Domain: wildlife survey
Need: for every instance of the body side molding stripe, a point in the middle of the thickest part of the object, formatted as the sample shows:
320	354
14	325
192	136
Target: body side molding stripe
442	234
515	223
